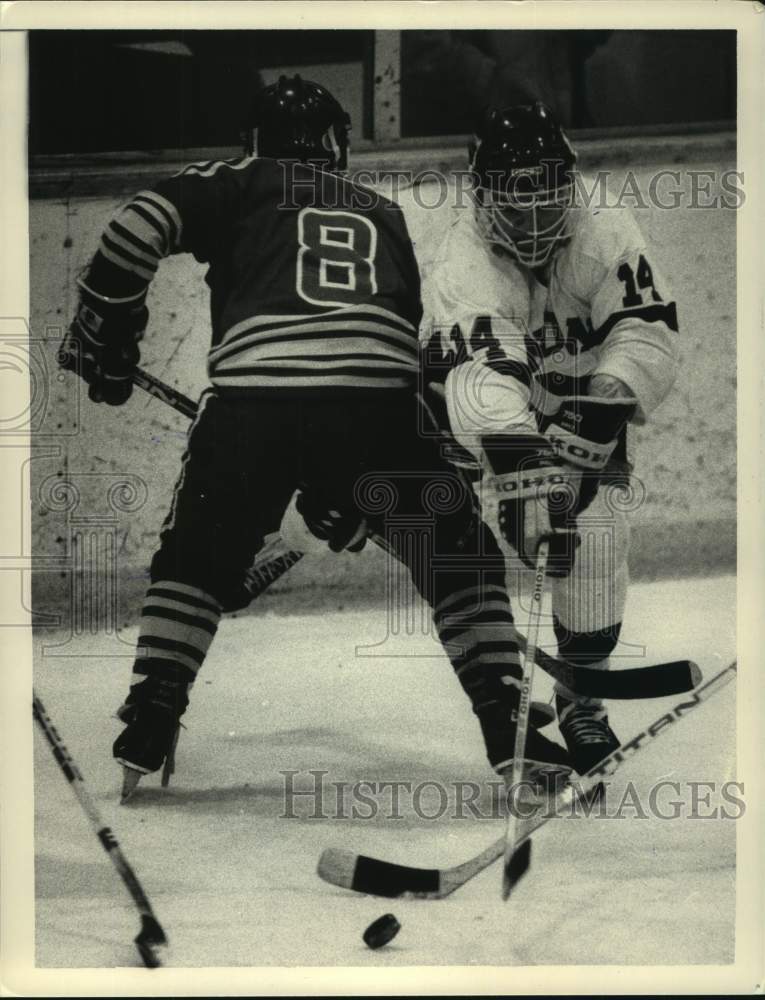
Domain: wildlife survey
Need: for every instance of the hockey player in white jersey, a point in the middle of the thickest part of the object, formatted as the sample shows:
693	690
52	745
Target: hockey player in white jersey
547	328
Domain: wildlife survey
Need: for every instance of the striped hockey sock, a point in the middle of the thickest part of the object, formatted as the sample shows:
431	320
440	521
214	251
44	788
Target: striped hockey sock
476	628
178	624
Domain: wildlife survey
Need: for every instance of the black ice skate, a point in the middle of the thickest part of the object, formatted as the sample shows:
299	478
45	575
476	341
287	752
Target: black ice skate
152	711
584	726
546	766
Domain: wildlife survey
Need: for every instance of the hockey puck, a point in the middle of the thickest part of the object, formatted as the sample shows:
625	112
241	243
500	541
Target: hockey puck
381	931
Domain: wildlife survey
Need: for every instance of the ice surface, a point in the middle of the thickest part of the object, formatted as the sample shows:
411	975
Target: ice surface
233	881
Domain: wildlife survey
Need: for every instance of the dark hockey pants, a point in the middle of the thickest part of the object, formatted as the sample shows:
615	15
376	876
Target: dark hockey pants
372	453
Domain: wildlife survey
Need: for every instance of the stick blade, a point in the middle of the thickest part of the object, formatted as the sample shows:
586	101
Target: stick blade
657	681
374	877
696	675
149	940
516	867
337	866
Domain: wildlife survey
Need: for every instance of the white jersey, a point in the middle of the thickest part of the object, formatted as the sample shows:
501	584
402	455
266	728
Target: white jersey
505	343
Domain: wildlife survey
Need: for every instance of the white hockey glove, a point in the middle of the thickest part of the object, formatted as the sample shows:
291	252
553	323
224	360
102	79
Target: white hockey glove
309	524
534	498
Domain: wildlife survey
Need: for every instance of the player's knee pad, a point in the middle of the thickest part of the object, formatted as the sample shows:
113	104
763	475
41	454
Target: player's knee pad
584	648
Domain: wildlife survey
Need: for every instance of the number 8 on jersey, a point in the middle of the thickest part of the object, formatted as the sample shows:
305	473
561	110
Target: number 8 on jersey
336	259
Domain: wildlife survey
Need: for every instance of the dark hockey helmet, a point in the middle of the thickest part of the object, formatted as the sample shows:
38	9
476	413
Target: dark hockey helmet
296	119
523	171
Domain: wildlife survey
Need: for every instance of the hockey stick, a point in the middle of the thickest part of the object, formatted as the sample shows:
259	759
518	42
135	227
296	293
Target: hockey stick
517	859
151	936
375	877
161	390
275	559
659	680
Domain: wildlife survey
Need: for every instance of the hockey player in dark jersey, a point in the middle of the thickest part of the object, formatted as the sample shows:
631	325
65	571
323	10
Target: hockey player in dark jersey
315	306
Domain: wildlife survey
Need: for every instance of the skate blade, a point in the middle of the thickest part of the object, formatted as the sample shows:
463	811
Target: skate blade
130	779
168	768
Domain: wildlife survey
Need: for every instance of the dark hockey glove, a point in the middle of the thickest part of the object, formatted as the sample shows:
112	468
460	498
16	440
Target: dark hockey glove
101	345
534	499
341	531
583	435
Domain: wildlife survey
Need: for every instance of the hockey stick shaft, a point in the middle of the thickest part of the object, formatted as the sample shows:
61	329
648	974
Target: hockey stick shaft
373	876
639	682
108	841
166	393
524	706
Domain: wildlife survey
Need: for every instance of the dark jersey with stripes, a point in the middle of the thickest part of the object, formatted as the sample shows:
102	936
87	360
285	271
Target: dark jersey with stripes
313	279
